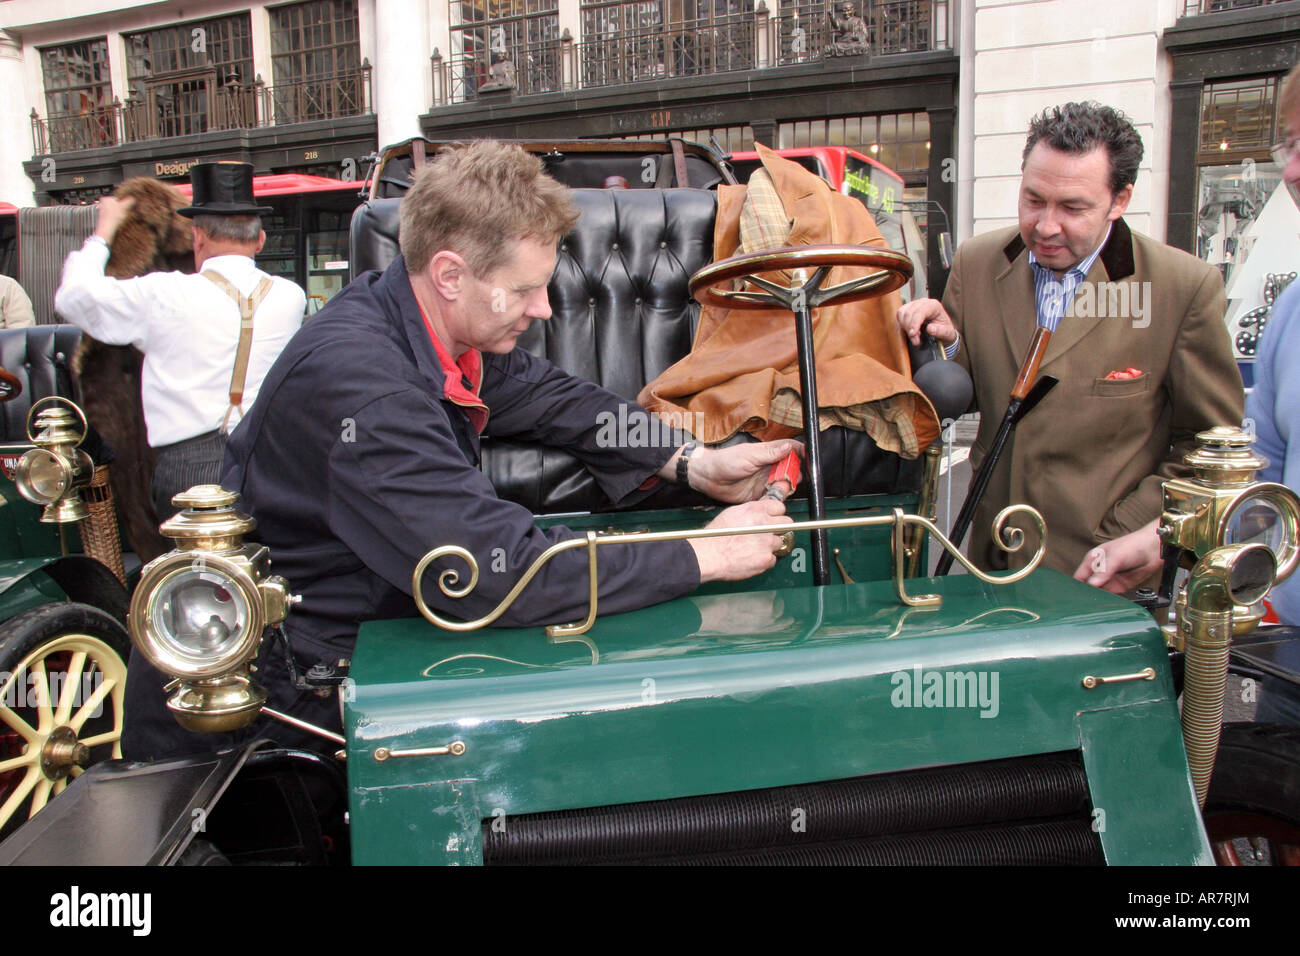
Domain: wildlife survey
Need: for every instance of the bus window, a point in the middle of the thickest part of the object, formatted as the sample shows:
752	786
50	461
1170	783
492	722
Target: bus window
326	233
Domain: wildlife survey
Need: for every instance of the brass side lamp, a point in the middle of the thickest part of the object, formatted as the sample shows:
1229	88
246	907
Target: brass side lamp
1239	537
54	472
1222	504
199	612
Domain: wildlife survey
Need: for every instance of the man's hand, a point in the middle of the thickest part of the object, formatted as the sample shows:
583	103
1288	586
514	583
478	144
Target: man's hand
1122	565
737	557
927	315
109	213
737	473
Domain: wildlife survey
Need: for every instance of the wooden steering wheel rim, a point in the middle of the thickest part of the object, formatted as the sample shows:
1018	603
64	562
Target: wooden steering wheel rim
895	271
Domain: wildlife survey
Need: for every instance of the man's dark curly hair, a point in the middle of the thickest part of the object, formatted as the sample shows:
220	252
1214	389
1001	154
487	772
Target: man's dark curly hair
1082	127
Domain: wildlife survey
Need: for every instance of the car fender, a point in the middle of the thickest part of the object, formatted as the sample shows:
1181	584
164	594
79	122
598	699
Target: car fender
29	582
167	802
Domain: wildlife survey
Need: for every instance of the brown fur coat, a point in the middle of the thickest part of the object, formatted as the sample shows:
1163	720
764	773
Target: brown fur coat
152	238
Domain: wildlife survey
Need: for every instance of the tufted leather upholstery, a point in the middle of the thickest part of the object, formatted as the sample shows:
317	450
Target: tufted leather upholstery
622	314
41	357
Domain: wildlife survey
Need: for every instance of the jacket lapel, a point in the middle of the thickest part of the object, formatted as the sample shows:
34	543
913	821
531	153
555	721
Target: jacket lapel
1015	291
1114	264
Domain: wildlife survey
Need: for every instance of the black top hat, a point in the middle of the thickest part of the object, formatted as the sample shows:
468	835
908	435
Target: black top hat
223	189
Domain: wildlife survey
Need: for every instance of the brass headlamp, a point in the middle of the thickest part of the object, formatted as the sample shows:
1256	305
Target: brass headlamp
53	473
1222	504
199	611
1238	537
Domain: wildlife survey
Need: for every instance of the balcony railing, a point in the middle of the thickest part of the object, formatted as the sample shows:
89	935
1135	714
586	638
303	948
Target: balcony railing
197	103
1193	8
802	32
533	68
327	97
67	132
692	48
799	33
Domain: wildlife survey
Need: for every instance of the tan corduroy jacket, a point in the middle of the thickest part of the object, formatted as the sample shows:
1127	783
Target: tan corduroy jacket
743	362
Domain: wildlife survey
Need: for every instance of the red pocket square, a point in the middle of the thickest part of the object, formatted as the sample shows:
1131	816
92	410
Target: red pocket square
1122	373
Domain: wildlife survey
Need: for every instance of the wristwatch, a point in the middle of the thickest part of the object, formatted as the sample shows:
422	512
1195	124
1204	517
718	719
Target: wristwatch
684	463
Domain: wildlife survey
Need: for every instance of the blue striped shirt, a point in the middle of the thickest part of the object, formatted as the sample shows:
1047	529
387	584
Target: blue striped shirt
1052	296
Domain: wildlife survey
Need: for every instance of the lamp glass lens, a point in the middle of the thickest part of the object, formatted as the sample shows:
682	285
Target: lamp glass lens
47	475
202	612
1256	521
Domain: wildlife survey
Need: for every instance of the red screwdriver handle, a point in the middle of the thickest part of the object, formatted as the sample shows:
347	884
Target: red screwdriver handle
789	470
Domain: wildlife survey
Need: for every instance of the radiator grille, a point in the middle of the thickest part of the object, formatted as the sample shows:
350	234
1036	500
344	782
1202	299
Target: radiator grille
1025	810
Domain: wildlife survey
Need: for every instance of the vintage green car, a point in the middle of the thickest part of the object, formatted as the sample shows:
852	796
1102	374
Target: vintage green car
839	708
63	640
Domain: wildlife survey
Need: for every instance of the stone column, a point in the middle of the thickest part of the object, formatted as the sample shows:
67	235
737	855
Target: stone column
402	79
15	123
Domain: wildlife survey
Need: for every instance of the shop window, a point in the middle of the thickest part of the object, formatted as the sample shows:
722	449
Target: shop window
316	61
190	78
503	44
1247	224
626	42
78	96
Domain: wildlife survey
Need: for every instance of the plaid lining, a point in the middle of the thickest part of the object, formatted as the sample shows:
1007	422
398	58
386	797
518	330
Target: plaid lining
763	222
888	421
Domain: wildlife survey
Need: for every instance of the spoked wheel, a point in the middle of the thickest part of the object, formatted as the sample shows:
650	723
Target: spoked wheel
1252	812
62	686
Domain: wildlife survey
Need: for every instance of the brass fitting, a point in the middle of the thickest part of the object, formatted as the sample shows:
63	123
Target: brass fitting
1226	578
1222	504
53	473
199	612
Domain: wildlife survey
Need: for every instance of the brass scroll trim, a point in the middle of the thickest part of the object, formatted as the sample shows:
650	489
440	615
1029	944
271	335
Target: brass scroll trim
1008	539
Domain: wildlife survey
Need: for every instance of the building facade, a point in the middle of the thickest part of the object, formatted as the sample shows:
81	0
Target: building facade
939	90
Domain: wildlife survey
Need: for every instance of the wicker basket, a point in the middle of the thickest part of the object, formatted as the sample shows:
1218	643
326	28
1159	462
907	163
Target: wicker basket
99	533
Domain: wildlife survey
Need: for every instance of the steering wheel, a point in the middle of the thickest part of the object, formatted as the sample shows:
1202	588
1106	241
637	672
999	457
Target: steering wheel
890	270
716	285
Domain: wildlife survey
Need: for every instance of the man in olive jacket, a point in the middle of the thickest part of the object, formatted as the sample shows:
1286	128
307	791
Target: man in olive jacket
1138	344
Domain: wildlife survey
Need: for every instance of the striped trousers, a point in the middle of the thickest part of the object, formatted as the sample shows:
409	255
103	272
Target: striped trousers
194	461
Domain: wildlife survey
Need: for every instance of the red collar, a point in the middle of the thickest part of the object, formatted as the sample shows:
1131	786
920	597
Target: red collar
467	368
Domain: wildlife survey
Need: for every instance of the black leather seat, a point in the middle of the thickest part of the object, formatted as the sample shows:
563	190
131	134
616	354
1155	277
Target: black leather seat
623	314
41	358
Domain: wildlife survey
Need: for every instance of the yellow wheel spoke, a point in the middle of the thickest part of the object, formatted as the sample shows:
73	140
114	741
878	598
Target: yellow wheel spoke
108	736
18	796
13	763
42	708
92	703
71	685
19	726
39	685
41	795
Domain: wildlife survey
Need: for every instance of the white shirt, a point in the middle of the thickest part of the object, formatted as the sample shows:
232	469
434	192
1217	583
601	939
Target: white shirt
188	330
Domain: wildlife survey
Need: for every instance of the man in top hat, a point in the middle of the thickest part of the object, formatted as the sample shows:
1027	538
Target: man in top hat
208	338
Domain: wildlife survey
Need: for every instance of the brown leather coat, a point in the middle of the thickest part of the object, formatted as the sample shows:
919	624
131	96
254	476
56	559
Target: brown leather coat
743	362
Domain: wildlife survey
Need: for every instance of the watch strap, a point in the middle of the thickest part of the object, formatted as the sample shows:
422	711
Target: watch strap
684	463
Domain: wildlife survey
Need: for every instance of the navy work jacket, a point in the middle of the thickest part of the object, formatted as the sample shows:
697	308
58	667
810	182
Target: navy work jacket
355	464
